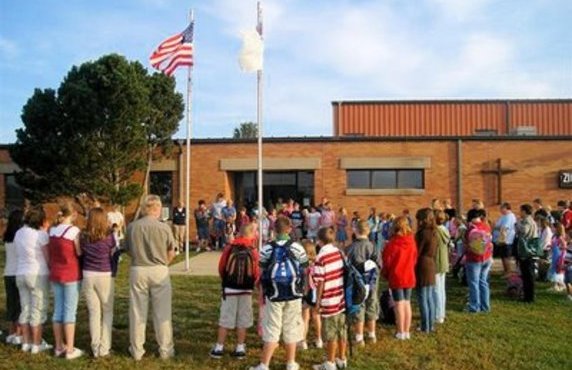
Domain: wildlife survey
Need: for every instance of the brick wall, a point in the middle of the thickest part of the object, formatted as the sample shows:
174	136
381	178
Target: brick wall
537	164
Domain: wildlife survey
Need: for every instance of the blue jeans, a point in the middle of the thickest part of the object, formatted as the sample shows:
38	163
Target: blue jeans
478	281
426	301
66	296
219	229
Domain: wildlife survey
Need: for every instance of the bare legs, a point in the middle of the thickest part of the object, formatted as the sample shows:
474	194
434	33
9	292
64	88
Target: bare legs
64	336
403	316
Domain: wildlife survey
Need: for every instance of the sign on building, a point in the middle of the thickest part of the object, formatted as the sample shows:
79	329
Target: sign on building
566	179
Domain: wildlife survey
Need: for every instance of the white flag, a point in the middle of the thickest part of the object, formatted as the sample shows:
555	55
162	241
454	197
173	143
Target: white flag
250	57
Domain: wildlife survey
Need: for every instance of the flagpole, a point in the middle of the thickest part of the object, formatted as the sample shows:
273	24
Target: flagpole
188	159
259	126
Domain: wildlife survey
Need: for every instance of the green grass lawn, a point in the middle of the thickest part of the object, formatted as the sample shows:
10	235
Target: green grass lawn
512	336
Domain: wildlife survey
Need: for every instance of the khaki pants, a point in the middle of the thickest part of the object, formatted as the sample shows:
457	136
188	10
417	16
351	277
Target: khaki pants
98	292
150	284
34	298
179	233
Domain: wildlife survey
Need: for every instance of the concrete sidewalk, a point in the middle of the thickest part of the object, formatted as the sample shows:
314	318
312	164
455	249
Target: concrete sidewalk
201	264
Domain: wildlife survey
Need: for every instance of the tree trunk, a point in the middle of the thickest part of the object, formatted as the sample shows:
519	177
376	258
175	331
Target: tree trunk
145	181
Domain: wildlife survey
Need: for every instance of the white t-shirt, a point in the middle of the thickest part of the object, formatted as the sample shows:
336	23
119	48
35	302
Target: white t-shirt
11	259
29	243
72	233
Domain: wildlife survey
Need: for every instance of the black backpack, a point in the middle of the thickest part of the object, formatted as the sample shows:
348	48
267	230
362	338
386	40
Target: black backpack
239	269
386	304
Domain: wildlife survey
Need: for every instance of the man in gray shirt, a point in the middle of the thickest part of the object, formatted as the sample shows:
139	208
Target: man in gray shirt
152	247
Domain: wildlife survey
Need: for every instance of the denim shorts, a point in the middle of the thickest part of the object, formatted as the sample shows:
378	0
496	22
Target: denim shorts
401	294
66	296
203	232
568	275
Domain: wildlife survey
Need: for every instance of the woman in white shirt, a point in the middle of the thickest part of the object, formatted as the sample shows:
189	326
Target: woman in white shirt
15	221
31	242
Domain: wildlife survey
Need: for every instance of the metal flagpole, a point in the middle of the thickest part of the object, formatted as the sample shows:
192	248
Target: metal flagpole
259	125
188	159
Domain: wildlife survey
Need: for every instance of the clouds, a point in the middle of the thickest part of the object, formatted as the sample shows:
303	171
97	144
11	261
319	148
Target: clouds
8	48
315	52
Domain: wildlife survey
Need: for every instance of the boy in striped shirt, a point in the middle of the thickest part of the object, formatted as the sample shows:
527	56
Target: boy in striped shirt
329	277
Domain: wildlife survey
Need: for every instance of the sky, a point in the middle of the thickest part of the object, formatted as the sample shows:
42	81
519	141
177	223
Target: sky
316	52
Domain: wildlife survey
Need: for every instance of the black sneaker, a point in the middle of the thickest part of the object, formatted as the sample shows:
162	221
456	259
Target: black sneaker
239	355
216	354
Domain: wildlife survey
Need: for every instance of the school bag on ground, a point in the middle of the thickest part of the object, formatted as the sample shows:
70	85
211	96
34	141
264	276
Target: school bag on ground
387	305
239	268
514	286
283	278
355	290
479	241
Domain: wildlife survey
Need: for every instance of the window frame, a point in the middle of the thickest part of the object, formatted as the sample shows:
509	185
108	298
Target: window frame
396	186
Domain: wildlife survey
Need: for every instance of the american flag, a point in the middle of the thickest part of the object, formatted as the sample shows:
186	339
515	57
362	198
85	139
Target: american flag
175	51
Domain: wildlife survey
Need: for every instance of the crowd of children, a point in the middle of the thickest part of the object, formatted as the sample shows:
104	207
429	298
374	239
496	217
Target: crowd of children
305	286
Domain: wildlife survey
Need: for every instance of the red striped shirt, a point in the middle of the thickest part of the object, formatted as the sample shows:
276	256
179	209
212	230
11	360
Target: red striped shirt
329	269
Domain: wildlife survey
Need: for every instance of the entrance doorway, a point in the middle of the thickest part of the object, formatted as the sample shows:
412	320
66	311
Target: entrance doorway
298	185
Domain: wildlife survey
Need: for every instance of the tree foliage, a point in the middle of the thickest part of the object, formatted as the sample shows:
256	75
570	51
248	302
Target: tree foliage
93	134
246	130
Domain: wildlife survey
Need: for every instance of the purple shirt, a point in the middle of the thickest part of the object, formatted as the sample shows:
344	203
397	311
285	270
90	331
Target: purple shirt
97	255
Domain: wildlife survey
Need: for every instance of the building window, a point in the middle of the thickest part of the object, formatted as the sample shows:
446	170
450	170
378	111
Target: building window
161	184
386	179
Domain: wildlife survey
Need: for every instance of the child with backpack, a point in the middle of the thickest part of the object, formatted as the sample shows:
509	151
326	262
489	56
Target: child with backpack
310	299
364	257
239	271
329	276
283	262
479	259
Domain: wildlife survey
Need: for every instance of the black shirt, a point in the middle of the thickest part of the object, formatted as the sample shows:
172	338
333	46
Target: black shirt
179	216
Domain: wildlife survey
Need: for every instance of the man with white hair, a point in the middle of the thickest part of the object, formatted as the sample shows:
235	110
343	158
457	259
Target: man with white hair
151	245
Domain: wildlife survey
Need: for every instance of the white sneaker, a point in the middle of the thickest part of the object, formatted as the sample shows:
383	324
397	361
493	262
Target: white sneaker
319	344
17	340
440	320
59	352
303	345
407	335
198	249
74	354
372	338
26	347
9	338
400	336
37	348
259	367
341	364
325	366
293	366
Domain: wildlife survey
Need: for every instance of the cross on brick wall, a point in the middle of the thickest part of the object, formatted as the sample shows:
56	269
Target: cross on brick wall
499	171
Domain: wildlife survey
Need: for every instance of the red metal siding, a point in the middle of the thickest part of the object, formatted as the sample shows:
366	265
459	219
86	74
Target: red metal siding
451	118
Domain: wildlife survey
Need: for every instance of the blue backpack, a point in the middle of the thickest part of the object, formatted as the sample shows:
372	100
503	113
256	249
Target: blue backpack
283	277
355	291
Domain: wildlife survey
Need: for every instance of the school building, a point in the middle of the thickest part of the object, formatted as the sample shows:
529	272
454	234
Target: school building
390	155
